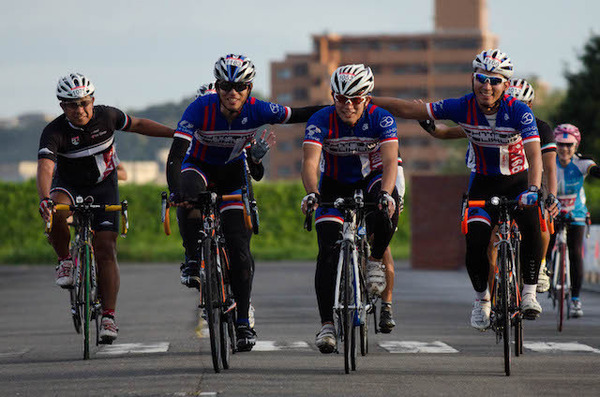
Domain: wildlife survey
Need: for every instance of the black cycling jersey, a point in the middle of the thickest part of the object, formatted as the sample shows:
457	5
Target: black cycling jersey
85	155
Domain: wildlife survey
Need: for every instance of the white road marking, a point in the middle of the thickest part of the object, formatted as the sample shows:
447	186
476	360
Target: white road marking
134	348
552	347
269	345
17	353
417	347
208	393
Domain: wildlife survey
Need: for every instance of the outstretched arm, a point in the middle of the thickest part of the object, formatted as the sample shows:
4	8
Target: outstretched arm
150	128
442	131
402	108
301	115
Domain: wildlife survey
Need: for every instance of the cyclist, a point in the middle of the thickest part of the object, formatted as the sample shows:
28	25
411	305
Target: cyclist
386	317
508	162
217	128
80	142
524	92
358	144
572	170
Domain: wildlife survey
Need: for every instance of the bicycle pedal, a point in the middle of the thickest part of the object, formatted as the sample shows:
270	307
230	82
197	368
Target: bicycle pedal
105	341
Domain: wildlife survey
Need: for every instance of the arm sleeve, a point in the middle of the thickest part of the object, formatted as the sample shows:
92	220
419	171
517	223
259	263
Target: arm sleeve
301	115
178	149
594	171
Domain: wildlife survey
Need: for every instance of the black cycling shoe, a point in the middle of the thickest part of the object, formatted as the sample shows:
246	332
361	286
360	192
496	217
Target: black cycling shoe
386	321
245	338
190	274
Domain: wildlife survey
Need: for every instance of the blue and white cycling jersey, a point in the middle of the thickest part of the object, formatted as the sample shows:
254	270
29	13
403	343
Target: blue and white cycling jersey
570	187
350	153
495	150
213	139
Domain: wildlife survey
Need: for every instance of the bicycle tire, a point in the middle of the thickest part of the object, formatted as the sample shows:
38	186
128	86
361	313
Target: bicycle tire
516	284
504	261
562	282
212	303
346	315
87	312
353	350
225	340
364	315
73	292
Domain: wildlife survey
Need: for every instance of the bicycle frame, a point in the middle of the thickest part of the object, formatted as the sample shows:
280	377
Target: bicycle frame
560	287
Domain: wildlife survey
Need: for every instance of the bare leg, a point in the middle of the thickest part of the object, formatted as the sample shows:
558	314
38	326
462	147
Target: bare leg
388	261
105	244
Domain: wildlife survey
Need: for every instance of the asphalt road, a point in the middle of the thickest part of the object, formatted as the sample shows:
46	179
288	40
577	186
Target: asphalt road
162	350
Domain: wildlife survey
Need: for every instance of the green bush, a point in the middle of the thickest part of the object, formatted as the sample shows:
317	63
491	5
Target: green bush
281	226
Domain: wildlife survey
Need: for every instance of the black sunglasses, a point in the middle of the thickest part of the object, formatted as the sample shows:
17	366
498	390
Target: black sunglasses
228	86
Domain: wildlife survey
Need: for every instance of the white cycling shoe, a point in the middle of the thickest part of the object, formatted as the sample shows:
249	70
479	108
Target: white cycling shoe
530	307
480	315
64	273
375	277
326	340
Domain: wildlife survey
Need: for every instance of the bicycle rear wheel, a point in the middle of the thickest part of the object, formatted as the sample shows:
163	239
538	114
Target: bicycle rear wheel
365	300
226	322
75	292
504	261
212	303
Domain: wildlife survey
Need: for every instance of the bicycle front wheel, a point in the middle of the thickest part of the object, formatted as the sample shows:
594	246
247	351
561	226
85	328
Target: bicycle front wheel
562	281
346	312
504	260
212	304
86	300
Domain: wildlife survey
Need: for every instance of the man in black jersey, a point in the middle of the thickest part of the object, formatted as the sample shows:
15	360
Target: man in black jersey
77	157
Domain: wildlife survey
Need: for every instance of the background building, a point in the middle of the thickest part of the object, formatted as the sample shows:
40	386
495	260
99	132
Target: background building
428	66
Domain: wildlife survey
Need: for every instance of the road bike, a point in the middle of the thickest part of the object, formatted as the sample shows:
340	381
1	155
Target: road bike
352	302
216	296
85	300
560	286
506	289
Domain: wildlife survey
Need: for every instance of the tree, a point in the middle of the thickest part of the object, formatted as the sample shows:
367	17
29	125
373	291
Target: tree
581	106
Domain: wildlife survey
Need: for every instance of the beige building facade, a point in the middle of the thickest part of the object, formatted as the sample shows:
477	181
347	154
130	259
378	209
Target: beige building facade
427	66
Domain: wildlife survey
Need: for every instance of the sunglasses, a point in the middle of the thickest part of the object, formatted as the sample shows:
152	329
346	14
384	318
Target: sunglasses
228	86
76	104
354	100
565	145
484	78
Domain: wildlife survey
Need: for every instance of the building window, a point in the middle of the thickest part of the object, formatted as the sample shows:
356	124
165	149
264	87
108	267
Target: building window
285	146
300	69
457	44
408	45
462	67
284	74
420	165
451	92
284	97
284	170
300	141
298	166
300	94
413	68
376	69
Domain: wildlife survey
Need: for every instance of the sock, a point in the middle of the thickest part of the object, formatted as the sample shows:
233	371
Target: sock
529	289
108	313
483	296
386	305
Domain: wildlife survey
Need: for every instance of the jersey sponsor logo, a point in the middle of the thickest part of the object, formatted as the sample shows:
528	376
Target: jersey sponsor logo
275	108
516	157
186	126
225	138
506	117
244	120
365	126
350	146
527	118
387	121
312	132
75	140
437	107
486	137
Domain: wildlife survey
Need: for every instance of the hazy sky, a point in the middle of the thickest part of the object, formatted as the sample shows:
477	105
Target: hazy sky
146	52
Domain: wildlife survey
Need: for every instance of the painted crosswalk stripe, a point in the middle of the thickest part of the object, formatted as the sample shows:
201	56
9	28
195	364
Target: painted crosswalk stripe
134	348
553	347
417	347
269	345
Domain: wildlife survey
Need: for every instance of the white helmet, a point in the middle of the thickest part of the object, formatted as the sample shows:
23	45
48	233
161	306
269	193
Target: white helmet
494	61
74	86
234	68
352	80
521	89
205	89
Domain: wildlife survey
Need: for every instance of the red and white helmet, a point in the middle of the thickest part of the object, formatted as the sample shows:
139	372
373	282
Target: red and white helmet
567	133
494	61
352	80
74	86
206	89
521	89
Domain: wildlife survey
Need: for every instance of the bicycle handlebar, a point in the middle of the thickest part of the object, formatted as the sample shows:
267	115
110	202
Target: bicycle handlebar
342	203
86	206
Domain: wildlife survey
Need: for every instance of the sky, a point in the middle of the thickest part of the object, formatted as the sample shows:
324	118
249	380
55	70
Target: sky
144	52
